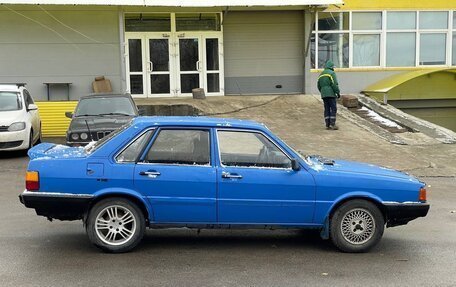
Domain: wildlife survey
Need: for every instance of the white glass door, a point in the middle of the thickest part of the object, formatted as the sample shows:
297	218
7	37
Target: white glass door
159	63
149	65
189	63
135	62
213	64
167	65
200	63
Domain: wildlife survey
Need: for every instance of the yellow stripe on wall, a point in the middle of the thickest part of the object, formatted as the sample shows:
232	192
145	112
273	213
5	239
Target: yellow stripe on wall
394	5
53	120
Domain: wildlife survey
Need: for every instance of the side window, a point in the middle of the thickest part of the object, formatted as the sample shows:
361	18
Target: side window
249	149
131	153
180	147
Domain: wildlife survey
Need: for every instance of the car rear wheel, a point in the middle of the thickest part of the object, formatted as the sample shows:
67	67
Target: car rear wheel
115	225
356	226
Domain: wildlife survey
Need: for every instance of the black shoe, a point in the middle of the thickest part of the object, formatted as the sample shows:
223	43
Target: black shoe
328	127
334	127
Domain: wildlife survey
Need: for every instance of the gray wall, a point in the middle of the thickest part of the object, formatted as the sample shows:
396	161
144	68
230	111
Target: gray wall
263	49
36	48
352	82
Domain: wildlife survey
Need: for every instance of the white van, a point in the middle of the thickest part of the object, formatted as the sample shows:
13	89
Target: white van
20	123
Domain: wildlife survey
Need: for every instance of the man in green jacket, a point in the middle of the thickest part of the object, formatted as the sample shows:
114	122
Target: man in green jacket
329	89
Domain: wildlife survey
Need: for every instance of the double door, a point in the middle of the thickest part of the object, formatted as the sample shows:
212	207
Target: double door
171	64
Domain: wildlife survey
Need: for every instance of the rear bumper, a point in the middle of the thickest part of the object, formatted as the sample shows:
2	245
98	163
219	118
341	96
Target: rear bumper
60	206
402	213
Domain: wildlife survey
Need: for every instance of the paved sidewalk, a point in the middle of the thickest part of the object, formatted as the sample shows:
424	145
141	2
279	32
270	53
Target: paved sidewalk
298	119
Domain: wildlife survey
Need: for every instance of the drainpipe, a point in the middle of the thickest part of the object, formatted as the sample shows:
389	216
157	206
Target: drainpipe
123	71
309	17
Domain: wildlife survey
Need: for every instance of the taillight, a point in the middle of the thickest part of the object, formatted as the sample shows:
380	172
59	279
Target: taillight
422	196
32	180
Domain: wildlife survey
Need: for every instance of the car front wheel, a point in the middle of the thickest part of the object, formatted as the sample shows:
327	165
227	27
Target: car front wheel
115	225
356	226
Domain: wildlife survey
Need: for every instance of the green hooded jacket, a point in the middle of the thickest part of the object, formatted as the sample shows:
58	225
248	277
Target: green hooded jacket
327	82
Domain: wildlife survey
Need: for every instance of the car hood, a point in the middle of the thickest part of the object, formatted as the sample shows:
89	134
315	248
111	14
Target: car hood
9	117
51	151
98	123
319	163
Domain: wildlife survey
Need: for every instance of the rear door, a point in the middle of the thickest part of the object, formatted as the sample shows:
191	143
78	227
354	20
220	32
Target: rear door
177	176
256	184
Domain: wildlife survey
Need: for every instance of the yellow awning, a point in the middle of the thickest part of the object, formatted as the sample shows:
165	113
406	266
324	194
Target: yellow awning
385	85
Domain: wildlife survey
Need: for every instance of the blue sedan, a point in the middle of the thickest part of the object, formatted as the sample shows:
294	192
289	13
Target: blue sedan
214	173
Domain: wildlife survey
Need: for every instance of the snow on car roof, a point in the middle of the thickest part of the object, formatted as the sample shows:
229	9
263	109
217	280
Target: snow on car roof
197	121
9	88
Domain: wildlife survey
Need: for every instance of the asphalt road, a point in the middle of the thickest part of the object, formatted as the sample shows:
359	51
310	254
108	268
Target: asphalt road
36	252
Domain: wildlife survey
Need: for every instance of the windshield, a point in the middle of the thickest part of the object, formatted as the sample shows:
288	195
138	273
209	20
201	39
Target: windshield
301	154
99	106
10	101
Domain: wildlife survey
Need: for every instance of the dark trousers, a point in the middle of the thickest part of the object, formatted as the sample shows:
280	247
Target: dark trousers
330	111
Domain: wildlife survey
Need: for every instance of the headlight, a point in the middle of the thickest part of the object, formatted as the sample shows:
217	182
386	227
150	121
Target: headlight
75	137
84	136
19	126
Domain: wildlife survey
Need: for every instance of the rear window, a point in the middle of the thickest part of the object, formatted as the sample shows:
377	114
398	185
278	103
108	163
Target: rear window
10	101
93	146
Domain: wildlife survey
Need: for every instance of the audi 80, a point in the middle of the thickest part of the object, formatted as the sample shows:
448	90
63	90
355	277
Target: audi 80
201	172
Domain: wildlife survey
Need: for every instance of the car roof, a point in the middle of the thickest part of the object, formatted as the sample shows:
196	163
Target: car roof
105	95
10	88
196	121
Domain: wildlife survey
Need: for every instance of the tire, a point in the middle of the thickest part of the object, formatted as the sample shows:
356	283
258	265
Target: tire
356	226
30	145
120	228
40	138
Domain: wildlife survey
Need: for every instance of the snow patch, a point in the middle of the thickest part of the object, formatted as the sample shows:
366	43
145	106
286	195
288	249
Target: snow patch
89	146
379	118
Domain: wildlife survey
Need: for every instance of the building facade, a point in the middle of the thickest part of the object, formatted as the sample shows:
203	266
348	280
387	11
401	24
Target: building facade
58	50
228	48
373	40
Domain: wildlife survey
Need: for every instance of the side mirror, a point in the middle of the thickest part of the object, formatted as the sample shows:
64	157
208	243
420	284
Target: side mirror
32	107
69	115
295	164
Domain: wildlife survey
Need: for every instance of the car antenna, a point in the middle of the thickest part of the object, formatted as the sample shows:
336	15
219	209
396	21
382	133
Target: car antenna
90	133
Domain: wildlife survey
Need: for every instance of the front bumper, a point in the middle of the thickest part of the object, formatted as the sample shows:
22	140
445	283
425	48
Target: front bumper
62	206
402	213
18	140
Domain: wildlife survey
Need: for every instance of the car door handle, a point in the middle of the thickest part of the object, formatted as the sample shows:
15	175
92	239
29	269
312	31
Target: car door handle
150	173
231	175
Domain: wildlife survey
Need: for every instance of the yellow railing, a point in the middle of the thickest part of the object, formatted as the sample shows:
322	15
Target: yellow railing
53	120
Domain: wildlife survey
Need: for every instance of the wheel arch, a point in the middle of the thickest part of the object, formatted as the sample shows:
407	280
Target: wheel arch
131	196
375	200
342	200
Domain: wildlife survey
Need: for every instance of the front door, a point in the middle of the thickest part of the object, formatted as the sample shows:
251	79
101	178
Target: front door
256	184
